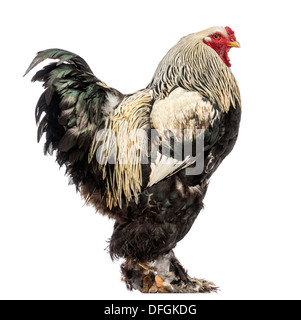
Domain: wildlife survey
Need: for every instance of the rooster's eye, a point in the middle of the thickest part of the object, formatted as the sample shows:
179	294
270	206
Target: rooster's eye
216	36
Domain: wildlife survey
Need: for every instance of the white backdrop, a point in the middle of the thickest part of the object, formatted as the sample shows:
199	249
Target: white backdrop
247	240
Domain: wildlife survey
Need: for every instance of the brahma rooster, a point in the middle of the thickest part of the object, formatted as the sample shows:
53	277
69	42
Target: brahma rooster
114	147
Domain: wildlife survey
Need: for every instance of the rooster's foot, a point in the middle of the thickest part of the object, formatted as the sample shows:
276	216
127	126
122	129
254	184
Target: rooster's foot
154	283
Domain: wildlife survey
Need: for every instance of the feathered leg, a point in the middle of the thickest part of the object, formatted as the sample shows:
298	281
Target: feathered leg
166	274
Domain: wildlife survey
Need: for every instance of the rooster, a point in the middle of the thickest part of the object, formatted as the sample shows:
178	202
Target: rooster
113	146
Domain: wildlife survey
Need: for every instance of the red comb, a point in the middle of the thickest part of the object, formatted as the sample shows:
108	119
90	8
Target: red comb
229	31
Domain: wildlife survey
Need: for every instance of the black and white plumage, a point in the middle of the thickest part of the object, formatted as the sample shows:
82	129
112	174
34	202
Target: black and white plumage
154	202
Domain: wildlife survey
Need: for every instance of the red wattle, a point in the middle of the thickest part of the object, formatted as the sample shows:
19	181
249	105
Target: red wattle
222	50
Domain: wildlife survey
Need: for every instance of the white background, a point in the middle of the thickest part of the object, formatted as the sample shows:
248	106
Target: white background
247	240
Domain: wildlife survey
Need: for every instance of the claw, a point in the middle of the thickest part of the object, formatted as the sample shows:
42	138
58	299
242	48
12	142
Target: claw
143	266
159	283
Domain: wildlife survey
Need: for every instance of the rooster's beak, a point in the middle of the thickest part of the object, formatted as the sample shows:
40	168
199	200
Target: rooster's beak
235	44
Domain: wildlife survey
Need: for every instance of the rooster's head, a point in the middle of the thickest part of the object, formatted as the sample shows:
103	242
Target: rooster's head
221	40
